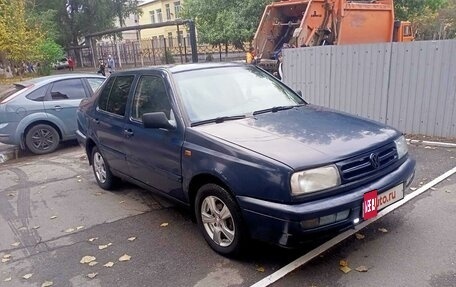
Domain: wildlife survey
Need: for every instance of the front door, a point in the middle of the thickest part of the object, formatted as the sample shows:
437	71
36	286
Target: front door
154	155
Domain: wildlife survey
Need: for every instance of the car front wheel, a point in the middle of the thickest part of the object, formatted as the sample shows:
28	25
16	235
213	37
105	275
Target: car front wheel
220	220
42	139
103	174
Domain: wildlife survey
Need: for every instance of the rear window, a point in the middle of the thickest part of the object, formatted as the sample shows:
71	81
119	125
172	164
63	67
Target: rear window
10	91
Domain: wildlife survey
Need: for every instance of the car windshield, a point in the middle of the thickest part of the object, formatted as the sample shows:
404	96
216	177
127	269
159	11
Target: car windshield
231	92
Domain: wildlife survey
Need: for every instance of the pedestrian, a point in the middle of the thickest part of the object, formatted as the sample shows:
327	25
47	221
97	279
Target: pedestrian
250	56
111	64
70	64
101	67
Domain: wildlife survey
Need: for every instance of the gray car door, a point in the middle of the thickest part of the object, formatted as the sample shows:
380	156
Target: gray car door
62	102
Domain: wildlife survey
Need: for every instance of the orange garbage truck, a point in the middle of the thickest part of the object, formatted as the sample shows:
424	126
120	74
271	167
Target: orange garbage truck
305	23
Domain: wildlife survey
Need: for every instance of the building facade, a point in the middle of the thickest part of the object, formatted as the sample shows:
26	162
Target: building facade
160	11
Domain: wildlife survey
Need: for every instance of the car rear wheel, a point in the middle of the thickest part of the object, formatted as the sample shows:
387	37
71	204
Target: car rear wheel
220	220
42	139
102	172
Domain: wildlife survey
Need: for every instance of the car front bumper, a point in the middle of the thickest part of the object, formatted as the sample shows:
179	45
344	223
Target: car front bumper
283	223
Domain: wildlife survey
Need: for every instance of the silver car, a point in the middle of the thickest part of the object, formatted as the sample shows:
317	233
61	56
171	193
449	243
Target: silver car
37	114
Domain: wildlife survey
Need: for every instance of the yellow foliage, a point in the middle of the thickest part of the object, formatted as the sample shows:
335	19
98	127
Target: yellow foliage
18	39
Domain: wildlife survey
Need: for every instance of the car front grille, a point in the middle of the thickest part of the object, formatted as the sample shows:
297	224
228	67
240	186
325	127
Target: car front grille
368	163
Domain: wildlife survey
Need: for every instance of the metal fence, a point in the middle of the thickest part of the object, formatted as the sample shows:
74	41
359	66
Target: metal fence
158	51
410	86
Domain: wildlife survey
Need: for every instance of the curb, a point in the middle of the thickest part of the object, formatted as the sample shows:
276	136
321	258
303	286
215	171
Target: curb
9	154
431	143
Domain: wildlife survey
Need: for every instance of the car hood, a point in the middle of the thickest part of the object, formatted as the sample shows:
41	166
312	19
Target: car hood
304	136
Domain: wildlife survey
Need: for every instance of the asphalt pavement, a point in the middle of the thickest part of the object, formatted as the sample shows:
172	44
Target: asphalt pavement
53	215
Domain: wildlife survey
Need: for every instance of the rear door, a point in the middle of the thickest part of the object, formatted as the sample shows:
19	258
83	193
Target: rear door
154	155
62	102
108	121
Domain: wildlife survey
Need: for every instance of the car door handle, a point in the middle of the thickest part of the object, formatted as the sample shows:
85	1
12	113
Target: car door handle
57	108
128	133
97	121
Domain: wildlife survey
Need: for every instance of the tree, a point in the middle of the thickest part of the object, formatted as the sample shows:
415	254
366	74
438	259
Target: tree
225	21
409	10
18	44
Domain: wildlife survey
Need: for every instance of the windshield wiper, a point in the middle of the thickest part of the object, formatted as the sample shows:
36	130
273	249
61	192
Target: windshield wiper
218	120
276	109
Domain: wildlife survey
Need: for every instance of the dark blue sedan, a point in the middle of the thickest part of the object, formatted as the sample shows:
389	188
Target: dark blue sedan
244	151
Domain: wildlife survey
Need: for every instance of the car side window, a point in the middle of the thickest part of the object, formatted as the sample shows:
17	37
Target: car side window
38	95
150	96
94	83
114	96
71	89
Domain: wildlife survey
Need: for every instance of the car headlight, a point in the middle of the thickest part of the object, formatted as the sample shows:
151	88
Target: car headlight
313	180
401	147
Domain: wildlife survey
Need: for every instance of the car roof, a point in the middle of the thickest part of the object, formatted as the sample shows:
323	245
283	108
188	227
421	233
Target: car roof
49	79
182	67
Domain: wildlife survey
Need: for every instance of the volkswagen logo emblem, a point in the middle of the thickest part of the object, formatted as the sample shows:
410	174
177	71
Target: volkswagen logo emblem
373	158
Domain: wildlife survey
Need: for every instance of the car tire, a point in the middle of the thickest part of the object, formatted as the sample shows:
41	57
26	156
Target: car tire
219	219
102	172
42	139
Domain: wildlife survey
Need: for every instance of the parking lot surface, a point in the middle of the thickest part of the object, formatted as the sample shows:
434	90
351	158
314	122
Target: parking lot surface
53	214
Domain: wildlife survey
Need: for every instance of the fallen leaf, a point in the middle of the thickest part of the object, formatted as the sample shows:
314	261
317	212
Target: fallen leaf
27	276
80	227
93	263
359	236
101	247
36	227
384	230
164	224
125	257
131	238
109	264
15	244
92	275
260	269
343	263
4	260
7	279
93	239
87	259
53	217
361	268
22	228
412	188
345	269
69	230
47	284
6	256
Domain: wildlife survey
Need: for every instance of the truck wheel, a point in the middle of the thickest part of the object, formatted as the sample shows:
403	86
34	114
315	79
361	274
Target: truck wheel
219	219
42	139
102	172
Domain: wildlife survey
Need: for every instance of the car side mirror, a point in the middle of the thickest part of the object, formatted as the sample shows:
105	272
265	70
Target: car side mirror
156	120
299	93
